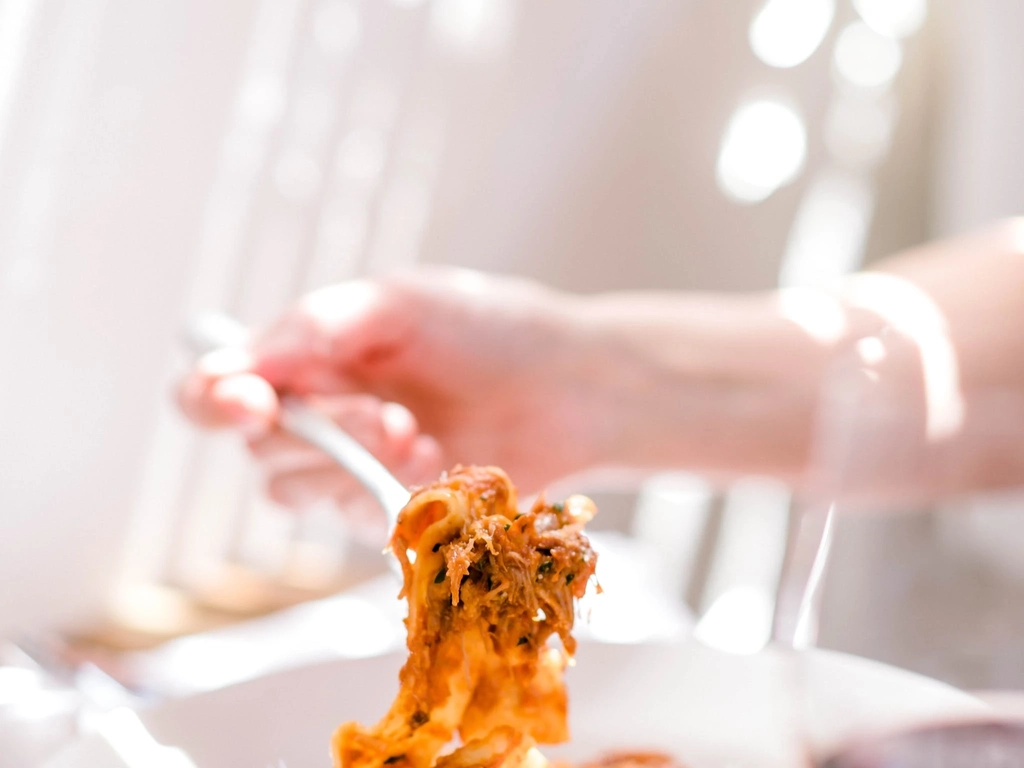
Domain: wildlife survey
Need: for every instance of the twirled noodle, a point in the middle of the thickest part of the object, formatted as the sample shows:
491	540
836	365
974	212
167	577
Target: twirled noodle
487	587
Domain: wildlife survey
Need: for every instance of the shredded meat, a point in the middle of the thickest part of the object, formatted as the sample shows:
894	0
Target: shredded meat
487	588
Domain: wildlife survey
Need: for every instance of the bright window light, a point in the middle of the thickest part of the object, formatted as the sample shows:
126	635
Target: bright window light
784	33
764	147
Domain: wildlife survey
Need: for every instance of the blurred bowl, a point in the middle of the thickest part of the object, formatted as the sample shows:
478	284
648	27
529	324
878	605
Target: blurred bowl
707	708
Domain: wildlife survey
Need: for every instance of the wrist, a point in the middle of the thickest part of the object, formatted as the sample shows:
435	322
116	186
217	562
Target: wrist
719	384
635	396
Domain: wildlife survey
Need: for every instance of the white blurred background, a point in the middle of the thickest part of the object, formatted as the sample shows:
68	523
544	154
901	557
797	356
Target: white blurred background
160	157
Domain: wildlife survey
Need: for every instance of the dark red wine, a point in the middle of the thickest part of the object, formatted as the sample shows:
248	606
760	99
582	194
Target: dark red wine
954	745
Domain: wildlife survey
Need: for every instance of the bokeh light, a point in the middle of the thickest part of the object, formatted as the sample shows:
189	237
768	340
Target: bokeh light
858	129
362	154
764	147
895	18
785	33
865	58
262	99
296	176
336	27
478	28
828	234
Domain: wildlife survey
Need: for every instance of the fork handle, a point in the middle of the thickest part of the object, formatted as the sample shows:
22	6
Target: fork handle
211	331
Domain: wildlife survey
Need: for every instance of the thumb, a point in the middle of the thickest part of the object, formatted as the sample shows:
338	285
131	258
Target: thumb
221	391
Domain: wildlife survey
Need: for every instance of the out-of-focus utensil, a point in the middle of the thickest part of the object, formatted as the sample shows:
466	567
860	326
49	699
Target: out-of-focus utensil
115	736
211	331
99	688
119	739
798	598
797	603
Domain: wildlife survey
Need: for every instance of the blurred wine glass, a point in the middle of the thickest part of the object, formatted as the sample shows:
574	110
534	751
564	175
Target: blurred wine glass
902	445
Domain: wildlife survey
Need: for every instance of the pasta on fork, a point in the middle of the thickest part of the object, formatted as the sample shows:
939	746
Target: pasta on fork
487	587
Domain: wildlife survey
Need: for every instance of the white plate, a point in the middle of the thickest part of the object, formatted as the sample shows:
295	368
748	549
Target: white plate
708	708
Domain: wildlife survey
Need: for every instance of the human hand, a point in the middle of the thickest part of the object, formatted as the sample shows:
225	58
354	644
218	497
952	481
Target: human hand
426	370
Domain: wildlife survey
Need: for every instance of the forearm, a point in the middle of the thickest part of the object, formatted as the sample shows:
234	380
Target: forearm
724	385
731	385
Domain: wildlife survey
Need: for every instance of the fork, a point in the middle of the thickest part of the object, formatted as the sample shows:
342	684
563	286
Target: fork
213	330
